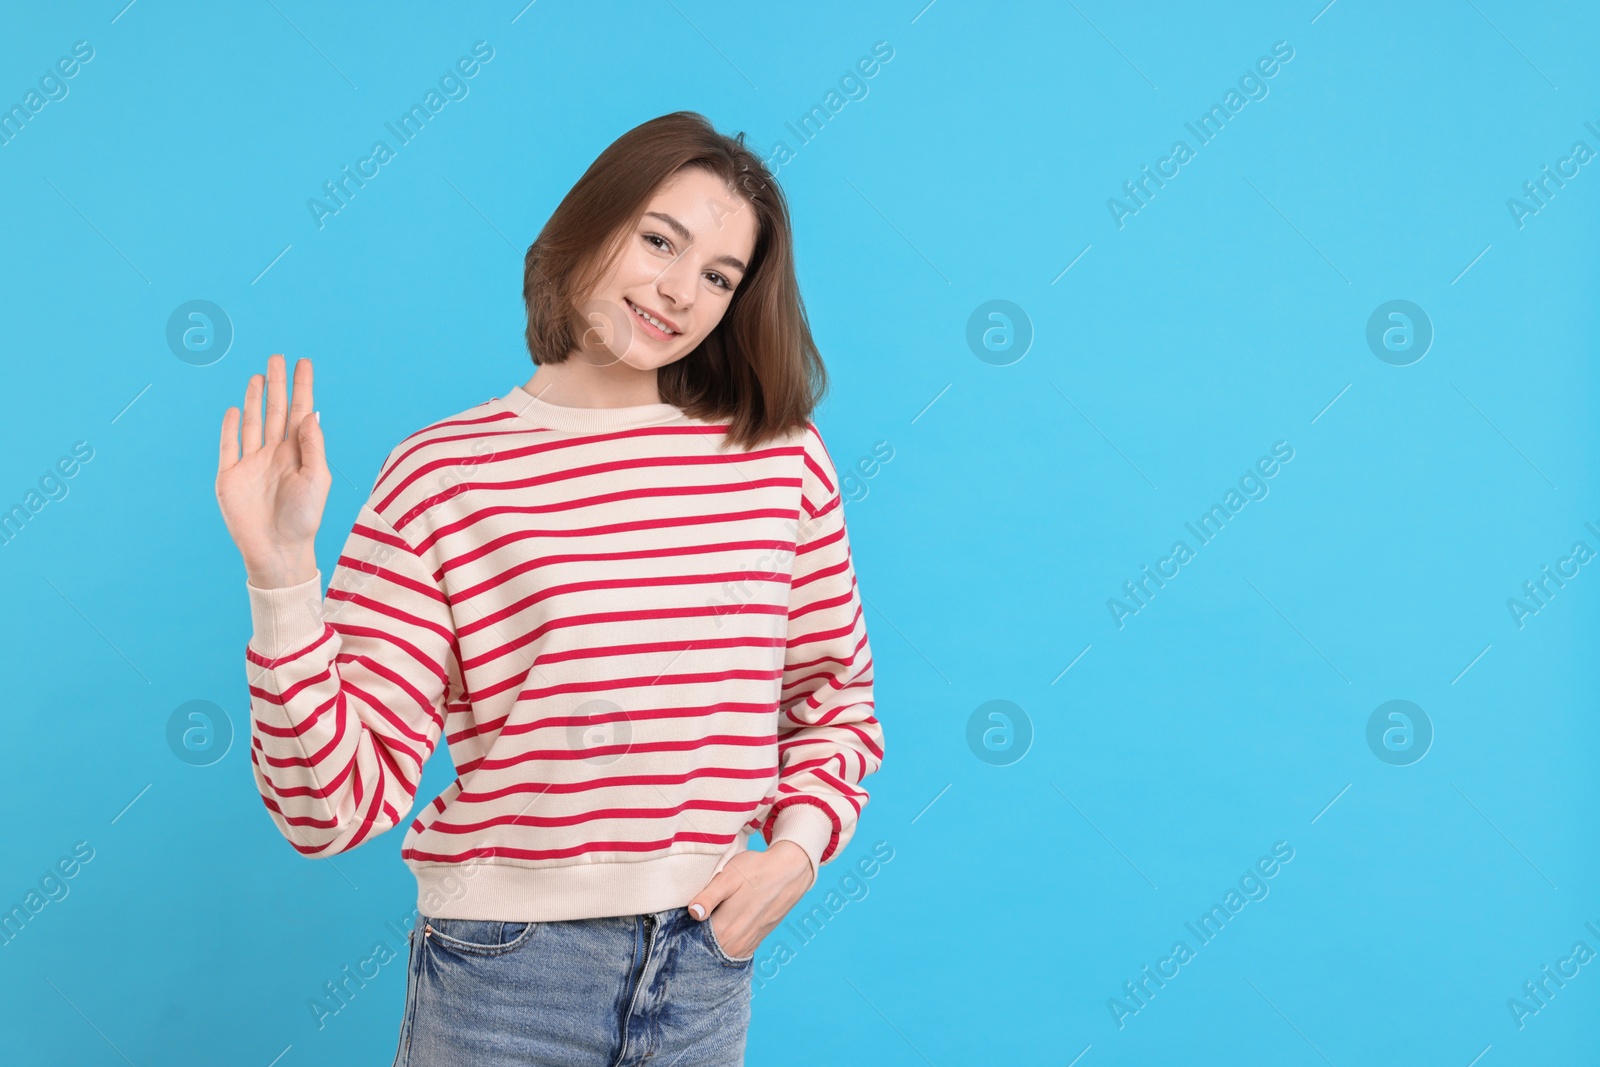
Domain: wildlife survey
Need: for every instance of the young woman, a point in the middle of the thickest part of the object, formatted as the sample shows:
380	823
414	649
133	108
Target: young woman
621	592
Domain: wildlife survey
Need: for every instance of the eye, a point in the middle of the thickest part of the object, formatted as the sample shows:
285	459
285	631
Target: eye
720	280
664	246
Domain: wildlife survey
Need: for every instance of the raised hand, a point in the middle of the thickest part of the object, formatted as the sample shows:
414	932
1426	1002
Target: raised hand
272	495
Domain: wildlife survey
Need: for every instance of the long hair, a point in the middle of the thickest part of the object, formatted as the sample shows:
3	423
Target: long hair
759	369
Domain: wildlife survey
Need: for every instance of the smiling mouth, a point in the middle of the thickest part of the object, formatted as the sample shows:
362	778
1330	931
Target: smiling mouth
656	327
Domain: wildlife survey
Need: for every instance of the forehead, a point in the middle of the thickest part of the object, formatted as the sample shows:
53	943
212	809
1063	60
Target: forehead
717	218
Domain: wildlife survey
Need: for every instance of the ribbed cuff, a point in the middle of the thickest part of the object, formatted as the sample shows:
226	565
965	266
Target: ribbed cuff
806	826
285	619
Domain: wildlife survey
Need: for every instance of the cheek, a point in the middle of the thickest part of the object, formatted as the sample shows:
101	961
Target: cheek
634	267
712	314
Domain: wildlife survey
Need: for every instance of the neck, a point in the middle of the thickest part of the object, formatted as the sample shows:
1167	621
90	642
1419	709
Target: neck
590	380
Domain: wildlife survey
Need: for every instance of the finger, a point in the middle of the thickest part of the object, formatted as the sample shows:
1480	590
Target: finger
302	405
277	400
298	410
251	435
228	447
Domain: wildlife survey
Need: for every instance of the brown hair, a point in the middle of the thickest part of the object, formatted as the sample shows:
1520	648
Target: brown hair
759	369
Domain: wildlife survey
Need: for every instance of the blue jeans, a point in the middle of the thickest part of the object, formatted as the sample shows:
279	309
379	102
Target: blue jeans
606	992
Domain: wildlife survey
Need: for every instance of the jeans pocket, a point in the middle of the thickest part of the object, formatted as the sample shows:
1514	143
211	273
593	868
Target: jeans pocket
716	948
477	937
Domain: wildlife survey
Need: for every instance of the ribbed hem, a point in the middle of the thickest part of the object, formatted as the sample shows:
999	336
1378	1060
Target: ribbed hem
505	892
287	618
556	417
807	826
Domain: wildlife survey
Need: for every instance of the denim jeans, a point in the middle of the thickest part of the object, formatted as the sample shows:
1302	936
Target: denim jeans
606	992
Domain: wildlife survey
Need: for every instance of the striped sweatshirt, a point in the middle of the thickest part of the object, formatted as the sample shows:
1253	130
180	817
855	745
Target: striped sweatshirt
640	643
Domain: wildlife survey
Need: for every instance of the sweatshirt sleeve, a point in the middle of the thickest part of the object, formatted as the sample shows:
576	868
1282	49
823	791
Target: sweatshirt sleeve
828	737
347	694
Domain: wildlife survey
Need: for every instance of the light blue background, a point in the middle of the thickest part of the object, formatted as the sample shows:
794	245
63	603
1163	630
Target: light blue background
1228	314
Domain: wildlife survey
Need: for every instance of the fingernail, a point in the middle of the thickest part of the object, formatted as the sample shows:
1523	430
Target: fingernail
318	414
697	910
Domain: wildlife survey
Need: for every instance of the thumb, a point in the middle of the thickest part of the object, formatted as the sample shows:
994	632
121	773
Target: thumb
313	446
716	891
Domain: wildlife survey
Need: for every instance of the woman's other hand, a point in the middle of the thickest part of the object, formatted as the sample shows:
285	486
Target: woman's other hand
752	893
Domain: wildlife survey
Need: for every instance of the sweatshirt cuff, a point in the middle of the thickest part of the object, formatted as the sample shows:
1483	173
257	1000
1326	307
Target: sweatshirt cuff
806	826
287	618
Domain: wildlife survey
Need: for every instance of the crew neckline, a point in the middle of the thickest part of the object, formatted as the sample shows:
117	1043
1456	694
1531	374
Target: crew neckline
557	417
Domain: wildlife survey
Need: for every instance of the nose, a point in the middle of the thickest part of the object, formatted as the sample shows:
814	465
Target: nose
676	286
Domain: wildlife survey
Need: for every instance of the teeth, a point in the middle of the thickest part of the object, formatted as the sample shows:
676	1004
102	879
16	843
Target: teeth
651	319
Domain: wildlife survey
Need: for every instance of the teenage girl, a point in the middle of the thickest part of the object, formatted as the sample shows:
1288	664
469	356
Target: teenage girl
622	593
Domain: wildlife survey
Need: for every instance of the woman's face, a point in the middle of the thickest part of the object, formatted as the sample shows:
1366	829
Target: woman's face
679	263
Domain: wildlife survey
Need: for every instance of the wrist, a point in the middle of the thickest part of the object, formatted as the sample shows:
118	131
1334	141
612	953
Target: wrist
798	859
294	567
794	850
807	825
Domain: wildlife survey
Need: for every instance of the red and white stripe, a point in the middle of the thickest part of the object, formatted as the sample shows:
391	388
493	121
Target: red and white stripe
640	645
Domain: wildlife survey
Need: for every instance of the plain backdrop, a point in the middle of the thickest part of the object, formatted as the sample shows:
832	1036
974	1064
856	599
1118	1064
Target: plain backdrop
1144	362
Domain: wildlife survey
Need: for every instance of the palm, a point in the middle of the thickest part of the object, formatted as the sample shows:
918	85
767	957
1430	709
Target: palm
272	493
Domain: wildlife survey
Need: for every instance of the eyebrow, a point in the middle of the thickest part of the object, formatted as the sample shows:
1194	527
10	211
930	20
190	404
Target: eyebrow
684	235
